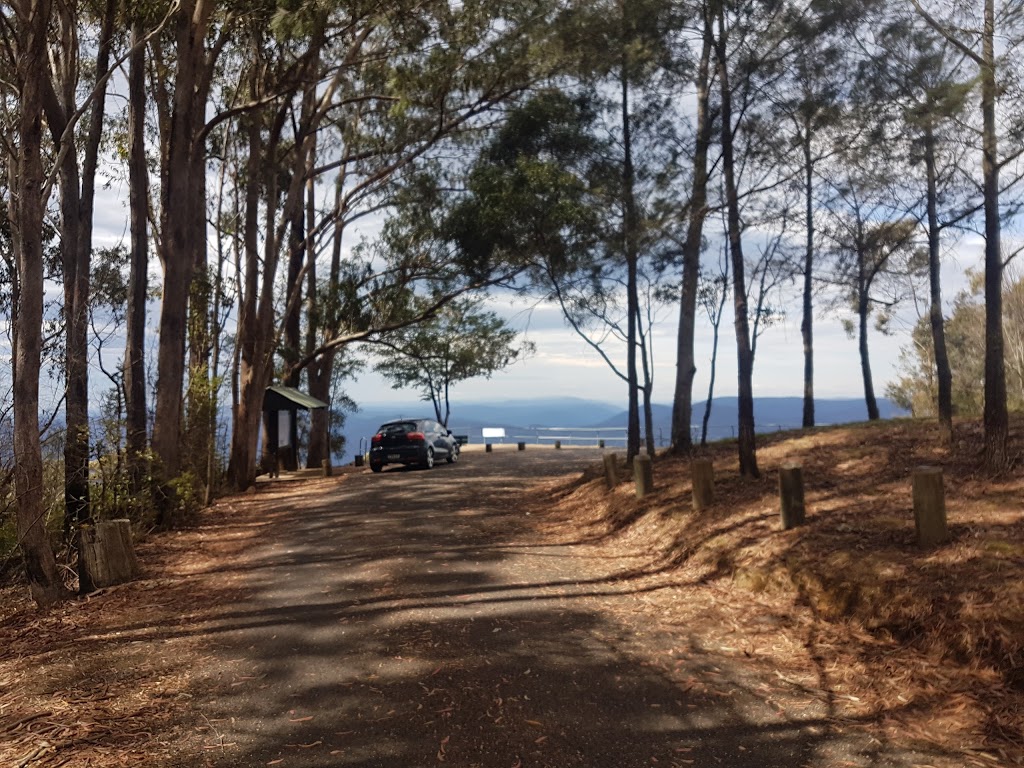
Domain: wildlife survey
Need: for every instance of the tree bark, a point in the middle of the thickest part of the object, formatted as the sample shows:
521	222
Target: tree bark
865	359
713	369
322	371
630	223
807	322
293	313
28	210
58	104
77	194
944	373
199	396
744	354
255	317
183	227
996	417
686	366
138	281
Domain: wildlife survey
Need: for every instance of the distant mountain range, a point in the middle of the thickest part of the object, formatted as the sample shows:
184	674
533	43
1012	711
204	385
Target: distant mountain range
581	421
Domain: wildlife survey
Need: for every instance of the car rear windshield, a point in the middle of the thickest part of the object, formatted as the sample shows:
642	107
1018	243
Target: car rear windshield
398	429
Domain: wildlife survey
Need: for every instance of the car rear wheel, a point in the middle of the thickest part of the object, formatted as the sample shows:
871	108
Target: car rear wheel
428	462
376	467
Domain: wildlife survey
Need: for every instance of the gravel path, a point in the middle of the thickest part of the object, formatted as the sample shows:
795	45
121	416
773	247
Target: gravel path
409	619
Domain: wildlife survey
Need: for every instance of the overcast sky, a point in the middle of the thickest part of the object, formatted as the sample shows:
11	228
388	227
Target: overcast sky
563	365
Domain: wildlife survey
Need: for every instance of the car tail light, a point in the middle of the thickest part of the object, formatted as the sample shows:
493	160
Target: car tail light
377	438
416	437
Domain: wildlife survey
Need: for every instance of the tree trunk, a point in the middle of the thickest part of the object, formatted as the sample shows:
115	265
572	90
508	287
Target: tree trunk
996	417
714	370
256	336
321	373
630	223
686	367
649	418
315	453
59	103
28	210
807	323
943	371
77	257
138	282
183	226
647	388
319	419
198	434
865	360
293	315
744	355
254	376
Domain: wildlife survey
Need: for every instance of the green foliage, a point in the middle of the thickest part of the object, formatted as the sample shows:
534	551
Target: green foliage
461	342
916	387
532	194
187	496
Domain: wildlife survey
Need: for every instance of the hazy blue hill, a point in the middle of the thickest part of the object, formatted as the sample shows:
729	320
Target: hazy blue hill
553	412
579	417
770	414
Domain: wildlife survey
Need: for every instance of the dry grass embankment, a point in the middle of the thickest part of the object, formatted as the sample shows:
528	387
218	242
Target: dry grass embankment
925	645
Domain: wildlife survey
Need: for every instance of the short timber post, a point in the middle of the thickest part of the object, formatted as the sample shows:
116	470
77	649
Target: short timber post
360	459
325	465
930	507
600	443
558	445
643	473
488	448
702	475
791	496
611	470
522	446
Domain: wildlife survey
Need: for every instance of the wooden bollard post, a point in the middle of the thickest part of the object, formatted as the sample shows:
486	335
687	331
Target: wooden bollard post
488	448
791	496
643	474
522	446
611	470
702	475
930	507
360	459
558	445
325	465
600	443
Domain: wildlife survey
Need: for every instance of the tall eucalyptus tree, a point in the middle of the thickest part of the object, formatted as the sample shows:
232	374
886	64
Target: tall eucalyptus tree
811	101
697	210
25	29
184	67
923	75
78	153
626	53
974	34
873	233
138	204
397	82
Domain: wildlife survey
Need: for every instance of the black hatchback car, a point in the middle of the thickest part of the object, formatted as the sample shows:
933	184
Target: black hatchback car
412	441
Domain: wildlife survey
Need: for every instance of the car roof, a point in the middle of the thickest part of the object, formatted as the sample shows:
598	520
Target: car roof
402	421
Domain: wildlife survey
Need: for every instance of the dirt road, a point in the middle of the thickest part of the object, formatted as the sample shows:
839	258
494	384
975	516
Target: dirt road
411	619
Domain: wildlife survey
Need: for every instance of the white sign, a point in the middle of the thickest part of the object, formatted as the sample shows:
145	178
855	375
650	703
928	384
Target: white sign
493	432
284	428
